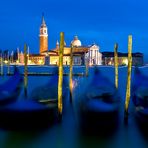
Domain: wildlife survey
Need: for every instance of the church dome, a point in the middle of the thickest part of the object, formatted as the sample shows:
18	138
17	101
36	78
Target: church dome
76	41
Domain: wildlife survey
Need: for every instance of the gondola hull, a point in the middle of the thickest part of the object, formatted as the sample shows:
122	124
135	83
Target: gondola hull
49	92
98	106
140	98
98	116
27	115
10	90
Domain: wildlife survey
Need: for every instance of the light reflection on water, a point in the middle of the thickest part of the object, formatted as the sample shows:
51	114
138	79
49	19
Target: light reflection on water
66	134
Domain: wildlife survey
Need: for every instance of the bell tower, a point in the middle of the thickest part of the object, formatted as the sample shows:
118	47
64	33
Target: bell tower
43	36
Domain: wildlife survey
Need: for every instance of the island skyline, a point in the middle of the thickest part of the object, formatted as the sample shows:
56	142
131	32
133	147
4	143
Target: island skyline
100	22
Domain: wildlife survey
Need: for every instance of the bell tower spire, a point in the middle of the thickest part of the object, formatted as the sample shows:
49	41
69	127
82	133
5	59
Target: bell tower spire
43	36
43	20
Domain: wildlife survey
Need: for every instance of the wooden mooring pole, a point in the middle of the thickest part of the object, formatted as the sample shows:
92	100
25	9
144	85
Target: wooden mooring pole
1	65
86	68
25	70
128	87
70	73
8	70
60	79
116	64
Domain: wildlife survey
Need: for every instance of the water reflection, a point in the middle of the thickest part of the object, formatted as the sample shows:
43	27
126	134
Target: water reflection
67	133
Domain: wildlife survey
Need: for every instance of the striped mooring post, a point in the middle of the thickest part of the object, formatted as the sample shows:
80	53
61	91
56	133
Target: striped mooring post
25	70
71	72
8	66
86	68
116	64
60	79
2	72
128	87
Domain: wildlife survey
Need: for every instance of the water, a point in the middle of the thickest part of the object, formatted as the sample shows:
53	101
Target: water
66	133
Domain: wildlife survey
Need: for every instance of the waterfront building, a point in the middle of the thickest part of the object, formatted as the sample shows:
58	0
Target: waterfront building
108	58
21	58
78	53
81	54
36	59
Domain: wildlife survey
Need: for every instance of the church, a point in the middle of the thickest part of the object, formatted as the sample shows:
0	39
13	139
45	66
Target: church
81	54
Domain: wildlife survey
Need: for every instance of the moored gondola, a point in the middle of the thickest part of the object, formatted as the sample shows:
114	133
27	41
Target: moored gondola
10	90
34	113
27	115
98	105
140	97
48	93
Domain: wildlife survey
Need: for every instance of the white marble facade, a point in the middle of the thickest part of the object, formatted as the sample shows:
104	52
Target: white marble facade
93	57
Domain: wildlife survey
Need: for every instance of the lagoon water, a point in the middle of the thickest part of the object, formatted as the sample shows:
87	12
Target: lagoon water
66	134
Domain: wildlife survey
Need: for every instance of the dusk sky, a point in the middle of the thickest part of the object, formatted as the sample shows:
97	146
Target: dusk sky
103	22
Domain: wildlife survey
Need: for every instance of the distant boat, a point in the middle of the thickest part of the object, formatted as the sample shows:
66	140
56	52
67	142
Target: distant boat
98	104
10	90
140	96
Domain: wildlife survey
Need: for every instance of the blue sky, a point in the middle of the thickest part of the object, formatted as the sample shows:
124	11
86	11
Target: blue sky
103	22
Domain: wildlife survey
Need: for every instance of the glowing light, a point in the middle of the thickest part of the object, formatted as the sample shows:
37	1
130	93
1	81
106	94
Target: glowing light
40	62
29	61
5	61
125	61
90	64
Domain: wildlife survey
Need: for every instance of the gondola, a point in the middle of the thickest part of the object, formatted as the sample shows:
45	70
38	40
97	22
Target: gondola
98	105
140	97
28	115
10	90
48	93
32	113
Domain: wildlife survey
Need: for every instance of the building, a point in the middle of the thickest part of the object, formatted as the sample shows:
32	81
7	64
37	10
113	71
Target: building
93	56
78	53
37	59
21	58
43	37
108	58
81	54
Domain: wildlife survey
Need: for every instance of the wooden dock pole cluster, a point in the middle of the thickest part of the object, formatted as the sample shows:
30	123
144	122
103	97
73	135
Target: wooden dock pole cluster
25	70
70	73
60	79
116	64
128	87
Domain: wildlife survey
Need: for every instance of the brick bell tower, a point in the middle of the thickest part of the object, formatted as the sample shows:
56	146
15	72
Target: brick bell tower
43	36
